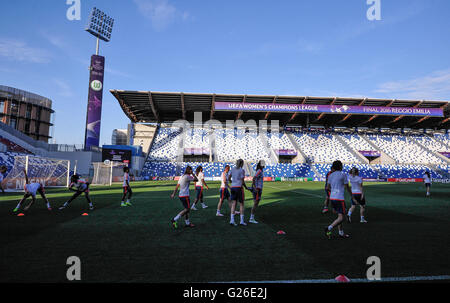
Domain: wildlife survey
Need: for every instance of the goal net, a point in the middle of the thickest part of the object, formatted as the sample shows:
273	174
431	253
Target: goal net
49	172
107	173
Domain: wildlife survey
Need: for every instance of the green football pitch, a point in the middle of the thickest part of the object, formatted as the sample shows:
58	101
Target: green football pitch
406	230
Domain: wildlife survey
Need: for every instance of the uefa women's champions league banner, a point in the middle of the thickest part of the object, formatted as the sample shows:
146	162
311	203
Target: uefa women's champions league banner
332	109
94	112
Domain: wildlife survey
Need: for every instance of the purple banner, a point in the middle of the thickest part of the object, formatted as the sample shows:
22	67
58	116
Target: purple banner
370	153
332	109
445	154
286	152
94	112
196	151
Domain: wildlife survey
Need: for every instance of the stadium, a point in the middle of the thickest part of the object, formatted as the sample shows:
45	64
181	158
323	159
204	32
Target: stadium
324	190
391	151
303	145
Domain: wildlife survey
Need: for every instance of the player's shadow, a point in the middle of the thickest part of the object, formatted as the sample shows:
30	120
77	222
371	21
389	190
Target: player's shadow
14	228
134	186
307	208
388	232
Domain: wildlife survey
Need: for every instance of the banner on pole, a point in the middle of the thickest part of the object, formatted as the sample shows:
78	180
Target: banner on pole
95	97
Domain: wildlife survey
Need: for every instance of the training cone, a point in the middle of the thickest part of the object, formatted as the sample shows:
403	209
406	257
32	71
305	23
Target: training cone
85	214
281	232
342	278
21	215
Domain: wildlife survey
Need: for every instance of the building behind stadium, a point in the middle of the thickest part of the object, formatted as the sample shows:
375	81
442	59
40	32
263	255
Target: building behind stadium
26	112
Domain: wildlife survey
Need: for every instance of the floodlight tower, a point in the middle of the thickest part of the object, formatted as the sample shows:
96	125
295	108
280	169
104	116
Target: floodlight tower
100	25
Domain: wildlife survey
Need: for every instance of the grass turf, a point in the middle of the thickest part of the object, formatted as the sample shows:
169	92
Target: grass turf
137	244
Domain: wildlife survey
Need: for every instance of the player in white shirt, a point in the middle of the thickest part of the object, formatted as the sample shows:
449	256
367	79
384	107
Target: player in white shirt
199	187
126	188
224	193
31	189
359	198
427	180
256	189
337	184
237	176
79	186
3	170
183	185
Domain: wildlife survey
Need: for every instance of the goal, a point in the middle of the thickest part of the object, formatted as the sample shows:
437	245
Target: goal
49	172
105	173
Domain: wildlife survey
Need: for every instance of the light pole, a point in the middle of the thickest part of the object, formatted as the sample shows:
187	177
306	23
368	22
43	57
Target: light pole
100	25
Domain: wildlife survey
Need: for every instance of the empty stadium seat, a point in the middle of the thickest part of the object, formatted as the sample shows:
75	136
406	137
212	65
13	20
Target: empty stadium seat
320	148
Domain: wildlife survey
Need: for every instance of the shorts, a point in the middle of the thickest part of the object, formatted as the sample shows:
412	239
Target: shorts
237	194
85	188
186	202
33	192
199	192
224	193
257	192
427	185
126	190
360	199
338	206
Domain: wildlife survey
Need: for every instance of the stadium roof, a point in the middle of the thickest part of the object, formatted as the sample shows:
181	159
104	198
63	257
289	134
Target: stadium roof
147	106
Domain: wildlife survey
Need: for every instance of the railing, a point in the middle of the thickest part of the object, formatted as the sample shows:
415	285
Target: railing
71	148
24	96
43	145
23	137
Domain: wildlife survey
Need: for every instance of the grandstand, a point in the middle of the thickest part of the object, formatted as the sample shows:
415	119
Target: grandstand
382	146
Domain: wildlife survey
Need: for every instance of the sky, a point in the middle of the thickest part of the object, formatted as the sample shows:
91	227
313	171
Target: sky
324	48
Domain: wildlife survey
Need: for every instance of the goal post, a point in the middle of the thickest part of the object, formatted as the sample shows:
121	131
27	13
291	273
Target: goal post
105	173
49	172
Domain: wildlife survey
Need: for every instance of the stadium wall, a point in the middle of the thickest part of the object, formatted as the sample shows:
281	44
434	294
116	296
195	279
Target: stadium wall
82	160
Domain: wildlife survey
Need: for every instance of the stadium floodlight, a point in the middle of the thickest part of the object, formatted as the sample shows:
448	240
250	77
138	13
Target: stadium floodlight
100	25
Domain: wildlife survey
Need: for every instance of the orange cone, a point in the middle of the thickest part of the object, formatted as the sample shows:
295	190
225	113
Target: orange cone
342	278
21	215
85	214
281	232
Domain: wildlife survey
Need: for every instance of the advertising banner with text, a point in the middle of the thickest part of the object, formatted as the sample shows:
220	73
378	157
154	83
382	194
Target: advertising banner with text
95	97
332	109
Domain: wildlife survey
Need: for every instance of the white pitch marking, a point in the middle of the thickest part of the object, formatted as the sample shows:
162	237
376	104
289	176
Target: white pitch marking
391	279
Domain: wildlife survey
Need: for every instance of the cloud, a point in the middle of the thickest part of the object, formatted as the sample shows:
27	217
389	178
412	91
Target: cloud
17	50
160	12
353	30
435	86
64	89
54	40
117	73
